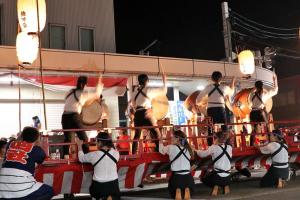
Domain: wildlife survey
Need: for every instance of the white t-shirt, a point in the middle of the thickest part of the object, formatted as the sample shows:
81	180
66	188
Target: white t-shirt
74	106
150	92
281	157
180	163
256	103
223	163
106	169
215	99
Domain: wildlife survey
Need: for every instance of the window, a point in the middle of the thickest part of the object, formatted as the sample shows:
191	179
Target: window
57	38
86	39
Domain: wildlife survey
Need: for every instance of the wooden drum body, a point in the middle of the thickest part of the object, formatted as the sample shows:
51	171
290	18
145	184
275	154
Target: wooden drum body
241	106
190	103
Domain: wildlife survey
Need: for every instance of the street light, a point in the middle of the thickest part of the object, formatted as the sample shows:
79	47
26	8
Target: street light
27	46
246	62
28	16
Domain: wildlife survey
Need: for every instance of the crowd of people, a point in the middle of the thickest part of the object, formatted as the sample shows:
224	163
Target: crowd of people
19	156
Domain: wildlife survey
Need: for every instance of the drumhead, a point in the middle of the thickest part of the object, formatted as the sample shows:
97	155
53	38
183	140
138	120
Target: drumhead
91	114
160	107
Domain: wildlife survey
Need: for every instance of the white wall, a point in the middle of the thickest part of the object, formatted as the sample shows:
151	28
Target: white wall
32	106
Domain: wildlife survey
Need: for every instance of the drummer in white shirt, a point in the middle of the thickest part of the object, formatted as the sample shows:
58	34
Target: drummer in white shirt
180	154
105	183
221	154
217	94
75	100
279	170
257	98
141	102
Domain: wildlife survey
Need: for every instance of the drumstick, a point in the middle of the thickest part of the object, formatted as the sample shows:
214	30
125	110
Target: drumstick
161	68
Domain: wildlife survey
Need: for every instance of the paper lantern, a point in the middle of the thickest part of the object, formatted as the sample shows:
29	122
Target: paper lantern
246	62
27	15
27	46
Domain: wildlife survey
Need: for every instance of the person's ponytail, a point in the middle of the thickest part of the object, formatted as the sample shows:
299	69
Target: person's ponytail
183	141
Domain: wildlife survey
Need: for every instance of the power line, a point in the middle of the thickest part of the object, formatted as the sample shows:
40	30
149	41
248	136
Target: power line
260	30
259	24
263	35
265	43
288	56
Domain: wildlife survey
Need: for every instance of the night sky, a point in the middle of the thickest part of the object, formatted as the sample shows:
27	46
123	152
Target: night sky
193	29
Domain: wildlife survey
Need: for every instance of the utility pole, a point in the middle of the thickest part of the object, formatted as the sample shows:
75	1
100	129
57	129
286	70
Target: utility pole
258	58
227	31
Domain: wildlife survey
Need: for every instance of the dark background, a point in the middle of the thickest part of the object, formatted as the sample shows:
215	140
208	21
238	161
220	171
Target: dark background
193	29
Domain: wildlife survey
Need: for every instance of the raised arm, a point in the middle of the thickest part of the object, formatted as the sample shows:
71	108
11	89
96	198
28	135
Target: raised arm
164	149
274	91
84	158
158	91
233	83
92	96
266	149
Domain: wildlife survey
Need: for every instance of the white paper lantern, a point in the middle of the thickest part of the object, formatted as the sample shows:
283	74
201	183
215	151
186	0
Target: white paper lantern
27	15
27	48
246	62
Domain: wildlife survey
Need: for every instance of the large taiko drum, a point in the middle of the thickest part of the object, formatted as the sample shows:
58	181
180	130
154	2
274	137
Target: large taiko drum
160	107
241	106
91	114
190	103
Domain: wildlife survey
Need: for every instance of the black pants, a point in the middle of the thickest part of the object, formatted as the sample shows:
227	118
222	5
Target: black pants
270	179
72	121
256	116
141	119
104	190
218	115
180	181
212	178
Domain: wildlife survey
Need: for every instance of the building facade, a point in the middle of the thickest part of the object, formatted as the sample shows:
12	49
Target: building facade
81	25
288	99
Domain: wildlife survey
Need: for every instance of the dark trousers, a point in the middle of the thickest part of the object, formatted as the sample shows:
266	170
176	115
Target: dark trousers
218	115
256	116
180	181
212	178
105	189
72	121
272	176
142	119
